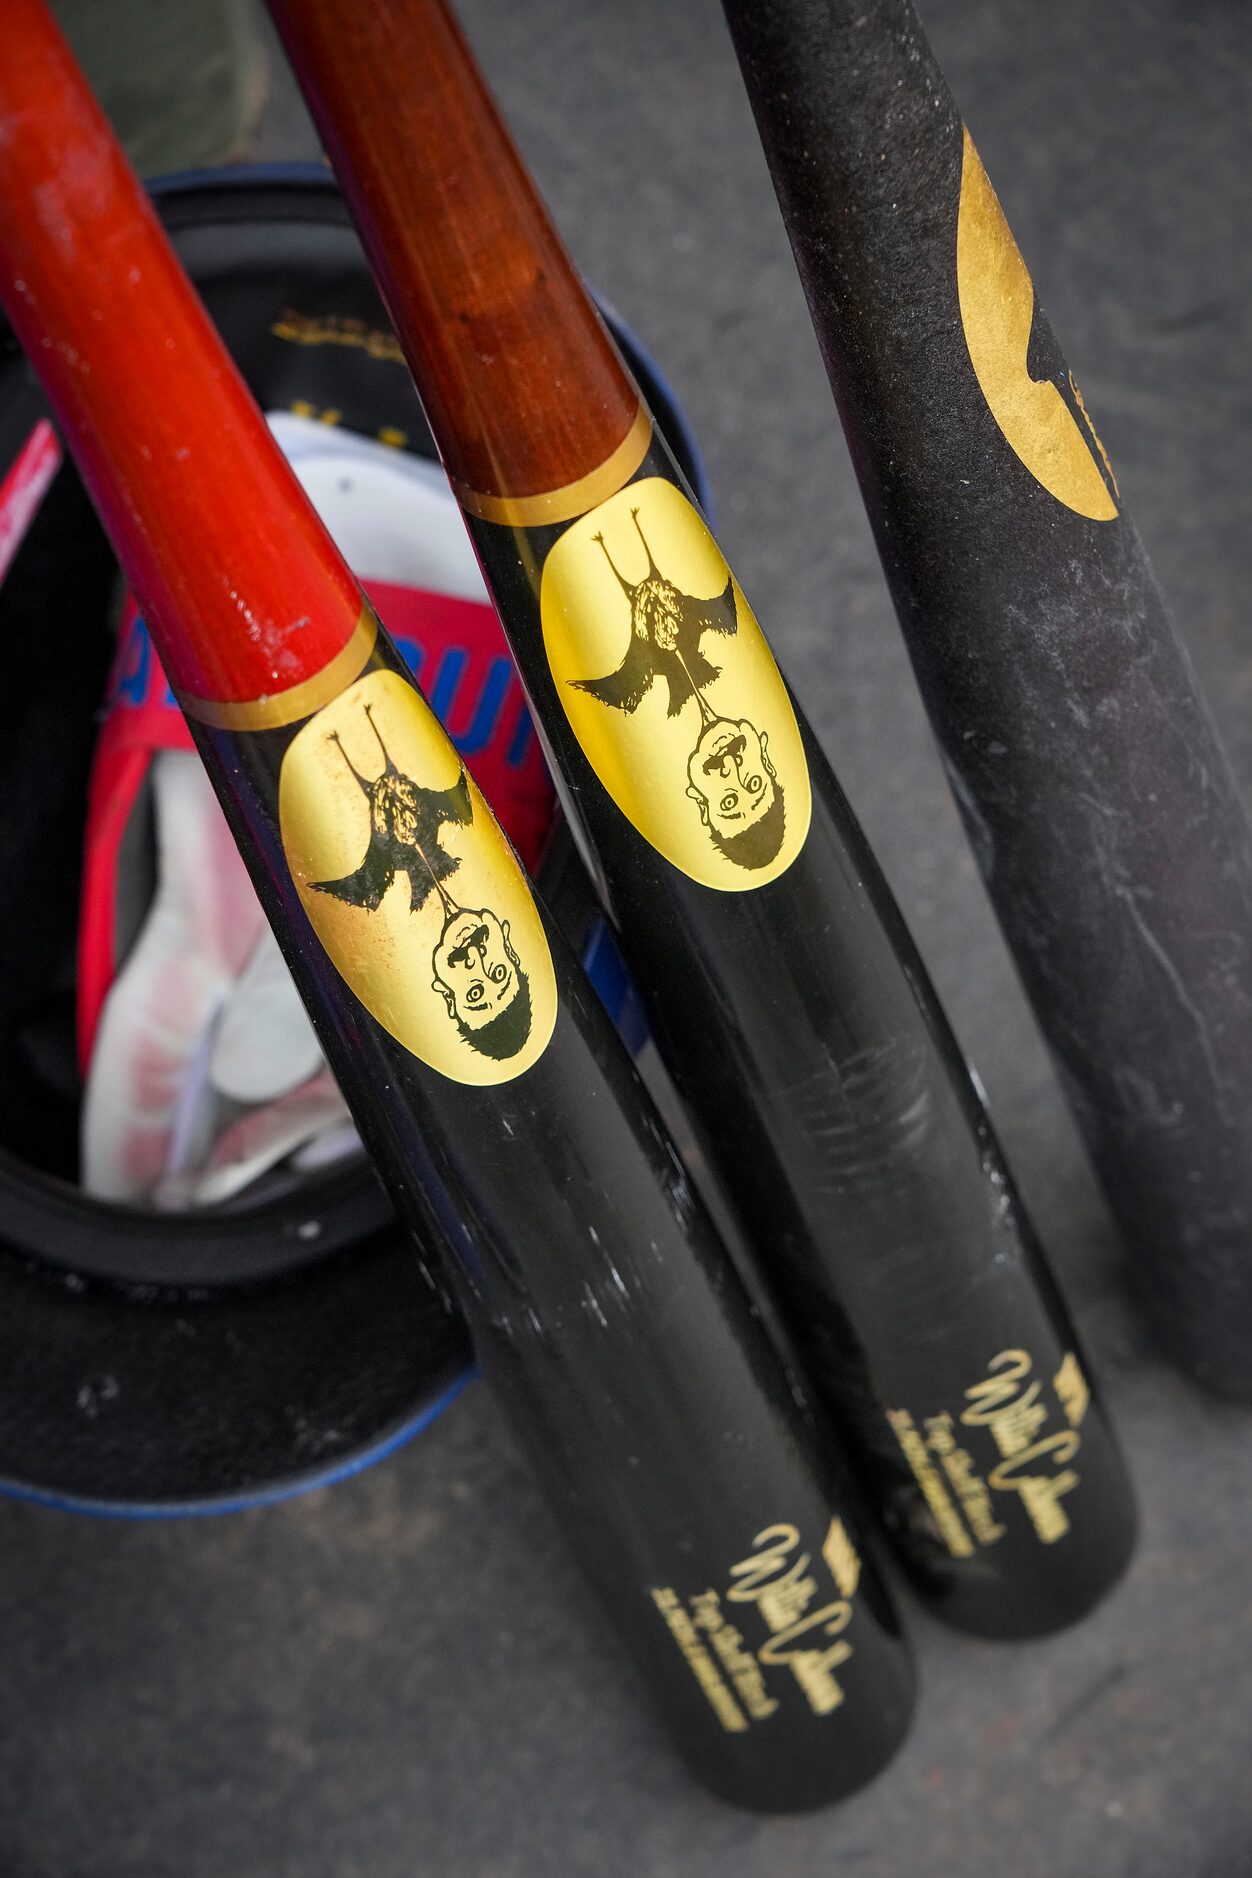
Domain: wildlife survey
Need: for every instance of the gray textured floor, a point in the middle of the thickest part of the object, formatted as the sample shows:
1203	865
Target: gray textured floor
402	1676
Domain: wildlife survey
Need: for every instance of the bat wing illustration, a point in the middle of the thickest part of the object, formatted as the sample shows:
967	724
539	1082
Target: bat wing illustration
697	617
624	688
430	863
710	616
390	853
452	805
367	884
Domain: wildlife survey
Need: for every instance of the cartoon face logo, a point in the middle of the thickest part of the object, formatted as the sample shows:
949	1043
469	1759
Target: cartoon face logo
734	786
480	978
447	979
718	807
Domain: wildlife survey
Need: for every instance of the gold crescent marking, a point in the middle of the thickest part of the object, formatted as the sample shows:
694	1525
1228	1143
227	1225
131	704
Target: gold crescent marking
288	707
997	311
573	499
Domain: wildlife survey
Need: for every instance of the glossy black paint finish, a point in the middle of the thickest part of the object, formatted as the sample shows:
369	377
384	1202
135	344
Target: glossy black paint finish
798	1023
1097	798
639	1381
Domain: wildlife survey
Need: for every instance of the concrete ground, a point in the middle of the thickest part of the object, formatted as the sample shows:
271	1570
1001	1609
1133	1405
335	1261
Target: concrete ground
403	1676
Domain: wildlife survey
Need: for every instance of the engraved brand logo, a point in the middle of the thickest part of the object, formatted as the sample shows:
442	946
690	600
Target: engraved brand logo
462	980
701	1664
776	1582
689	728
1071	1388
742	1667
1038	1469
971	1490
947	1520
1044	422
336	329
783	1590
842	1558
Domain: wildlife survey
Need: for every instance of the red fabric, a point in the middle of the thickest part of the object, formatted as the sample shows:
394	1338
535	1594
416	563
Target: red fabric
24	488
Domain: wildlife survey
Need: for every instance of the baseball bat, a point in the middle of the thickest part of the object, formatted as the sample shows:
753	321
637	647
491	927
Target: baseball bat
784	992
703	1503
1097	798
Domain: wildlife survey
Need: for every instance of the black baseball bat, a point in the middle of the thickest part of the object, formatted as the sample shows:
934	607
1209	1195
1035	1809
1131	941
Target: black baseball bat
785	994
1097	798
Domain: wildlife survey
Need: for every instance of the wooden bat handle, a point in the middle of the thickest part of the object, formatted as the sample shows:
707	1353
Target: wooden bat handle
104	290
505	321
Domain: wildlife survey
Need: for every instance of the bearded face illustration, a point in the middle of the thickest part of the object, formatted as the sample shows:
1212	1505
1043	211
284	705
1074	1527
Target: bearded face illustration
732	782
480	978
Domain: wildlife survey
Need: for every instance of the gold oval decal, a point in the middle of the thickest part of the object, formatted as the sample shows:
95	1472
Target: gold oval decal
671	690
997	312
411	887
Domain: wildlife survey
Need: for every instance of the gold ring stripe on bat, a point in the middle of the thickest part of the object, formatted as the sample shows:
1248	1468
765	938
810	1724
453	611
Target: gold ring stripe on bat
572	499
288	707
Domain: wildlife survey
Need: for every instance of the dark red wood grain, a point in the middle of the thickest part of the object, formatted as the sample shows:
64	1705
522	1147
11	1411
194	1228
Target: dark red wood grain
523	387
241	585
